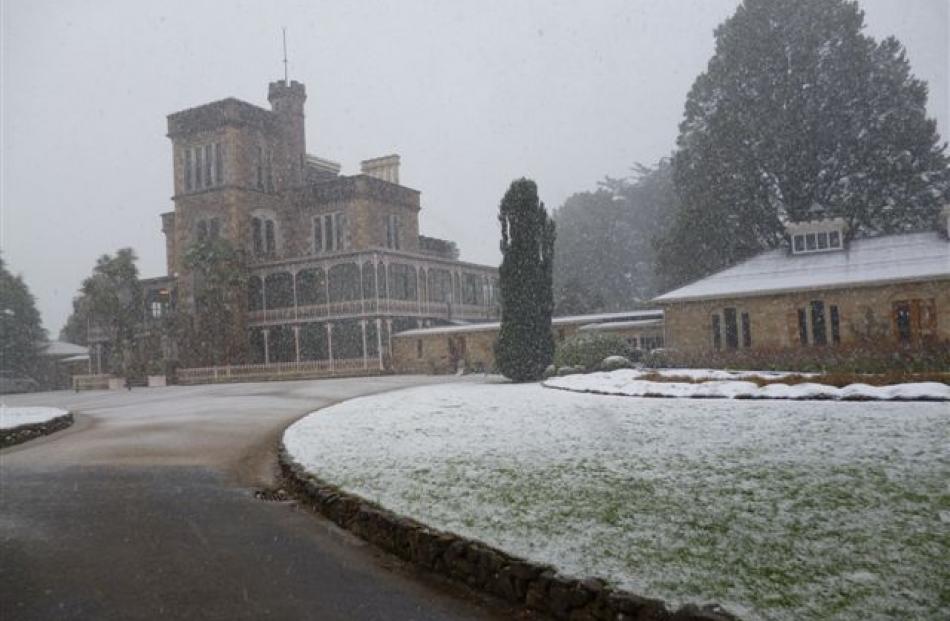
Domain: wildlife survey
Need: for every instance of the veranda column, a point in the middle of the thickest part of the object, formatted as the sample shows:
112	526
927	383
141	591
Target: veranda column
297	342
326	285
379	342
293	282
362	296
389	337
266	345
330	344
363	329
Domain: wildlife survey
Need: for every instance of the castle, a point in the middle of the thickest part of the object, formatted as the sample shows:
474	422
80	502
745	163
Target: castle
336	264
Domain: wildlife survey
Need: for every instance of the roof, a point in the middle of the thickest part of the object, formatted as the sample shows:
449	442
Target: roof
865	262
622	325
653	315
62	348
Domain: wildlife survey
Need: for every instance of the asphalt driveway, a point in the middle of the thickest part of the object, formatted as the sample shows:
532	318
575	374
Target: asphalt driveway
145	509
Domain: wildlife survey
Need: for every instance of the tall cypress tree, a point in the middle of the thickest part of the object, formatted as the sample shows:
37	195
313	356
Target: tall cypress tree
525	345
21	331
799	115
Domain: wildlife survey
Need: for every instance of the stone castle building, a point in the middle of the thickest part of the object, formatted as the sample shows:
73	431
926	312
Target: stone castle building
336	263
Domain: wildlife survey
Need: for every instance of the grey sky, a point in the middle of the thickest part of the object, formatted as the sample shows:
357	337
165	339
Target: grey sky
470	94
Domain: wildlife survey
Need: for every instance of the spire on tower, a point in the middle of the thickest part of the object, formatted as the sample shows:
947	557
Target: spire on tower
286	79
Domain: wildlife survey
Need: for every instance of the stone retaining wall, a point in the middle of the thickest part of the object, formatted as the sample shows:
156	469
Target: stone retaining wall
482	567
18	435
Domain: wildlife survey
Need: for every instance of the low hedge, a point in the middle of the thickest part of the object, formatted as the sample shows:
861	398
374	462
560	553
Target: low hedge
587	351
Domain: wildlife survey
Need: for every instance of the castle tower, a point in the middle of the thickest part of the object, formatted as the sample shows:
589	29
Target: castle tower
286	101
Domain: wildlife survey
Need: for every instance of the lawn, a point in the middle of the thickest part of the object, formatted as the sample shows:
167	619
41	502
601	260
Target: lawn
776	509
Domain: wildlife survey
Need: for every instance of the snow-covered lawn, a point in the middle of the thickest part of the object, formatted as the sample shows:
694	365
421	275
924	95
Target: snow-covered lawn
776	509
11	417
724	384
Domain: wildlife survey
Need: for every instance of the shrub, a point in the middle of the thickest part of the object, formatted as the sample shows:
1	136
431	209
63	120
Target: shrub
612	363
587	351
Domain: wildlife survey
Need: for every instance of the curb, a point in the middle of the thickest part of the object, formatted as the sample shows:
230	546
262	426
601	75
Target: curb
24	433
481	567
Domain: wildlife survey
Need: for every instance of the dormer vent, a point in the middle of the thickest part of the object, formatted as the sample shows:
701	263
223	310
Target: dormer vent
825	235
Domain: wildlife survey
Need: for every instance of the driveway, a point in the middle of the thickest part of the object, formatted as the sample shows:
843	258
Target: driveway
144	509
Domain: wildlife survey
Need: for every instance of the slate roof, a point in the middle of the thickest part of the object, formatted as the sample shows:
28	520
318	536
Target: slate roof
865	262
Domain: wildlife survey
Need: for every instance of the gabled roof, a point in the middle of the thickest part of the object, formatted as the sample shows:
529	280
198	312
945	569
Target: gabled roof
865	262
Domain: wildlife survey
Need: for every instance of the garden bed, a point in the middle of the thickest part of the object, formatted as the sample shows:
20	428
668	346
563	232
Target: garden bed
19	424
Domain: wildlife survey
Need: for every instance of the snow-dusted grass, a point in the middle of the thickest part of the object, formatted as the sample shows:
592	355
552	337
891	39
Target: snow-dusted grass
777	509
11	417
725	384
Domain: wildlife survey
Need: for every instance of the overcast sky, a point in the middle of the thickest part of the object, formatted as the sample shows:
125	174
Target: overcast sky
470	94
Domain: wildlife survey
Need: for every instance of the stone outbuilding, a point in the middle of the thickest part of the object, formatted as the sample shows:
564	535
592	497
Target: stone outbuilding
821	290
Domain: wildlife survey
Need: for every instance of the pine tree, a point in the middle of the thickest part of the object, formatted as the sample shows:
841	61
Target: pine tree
525	345
21	331
799	115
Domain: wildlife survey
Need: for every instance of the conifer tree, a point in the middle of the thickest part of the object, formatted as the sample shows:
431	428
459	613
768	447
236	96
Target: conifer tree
525	346
799	115
21	331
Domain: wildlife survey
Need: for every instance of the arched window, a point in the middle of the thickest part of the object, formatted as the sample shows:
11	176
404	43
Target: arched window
263	236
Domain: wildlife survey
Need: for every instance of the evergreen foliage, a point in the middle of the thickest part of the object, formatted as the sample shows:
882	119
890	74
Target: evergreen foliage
799	115
215	334
110	301
21	330
604	254
525	344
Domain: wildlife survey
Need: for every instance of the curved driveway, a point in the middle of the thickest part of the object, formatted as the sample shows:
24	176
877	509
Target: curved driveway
144	509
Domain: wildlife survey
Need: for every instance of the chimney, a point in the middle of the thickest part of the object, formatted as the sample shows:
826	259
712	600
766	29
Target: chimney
385	168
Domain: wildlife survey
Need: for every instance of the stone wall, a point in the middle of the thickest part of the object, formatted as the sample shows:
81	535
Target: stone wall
774	318
482	567
23	433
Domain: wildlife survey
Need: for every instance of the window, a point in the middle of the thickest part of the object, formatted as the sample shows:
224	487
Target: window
802	327
157	309
257	235
902	320
270	170
270	242
716	333
198	168
188	182
418	348
835	324
818	333
746	331
392	232
218	164
329	232
318	235
822	241
834	239
799	243
260	168
811	243
732	328
208	166
204	167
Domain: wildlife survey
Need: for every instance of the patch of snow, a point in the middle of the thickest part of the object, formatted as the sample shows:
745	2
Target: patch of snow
789	508
626	382
11	417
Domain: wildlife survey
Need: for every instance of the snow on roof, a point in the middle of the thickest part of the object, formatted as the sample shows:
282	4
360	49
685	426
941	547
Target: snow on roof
62	348
636	315
876	260
622	325
79	358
